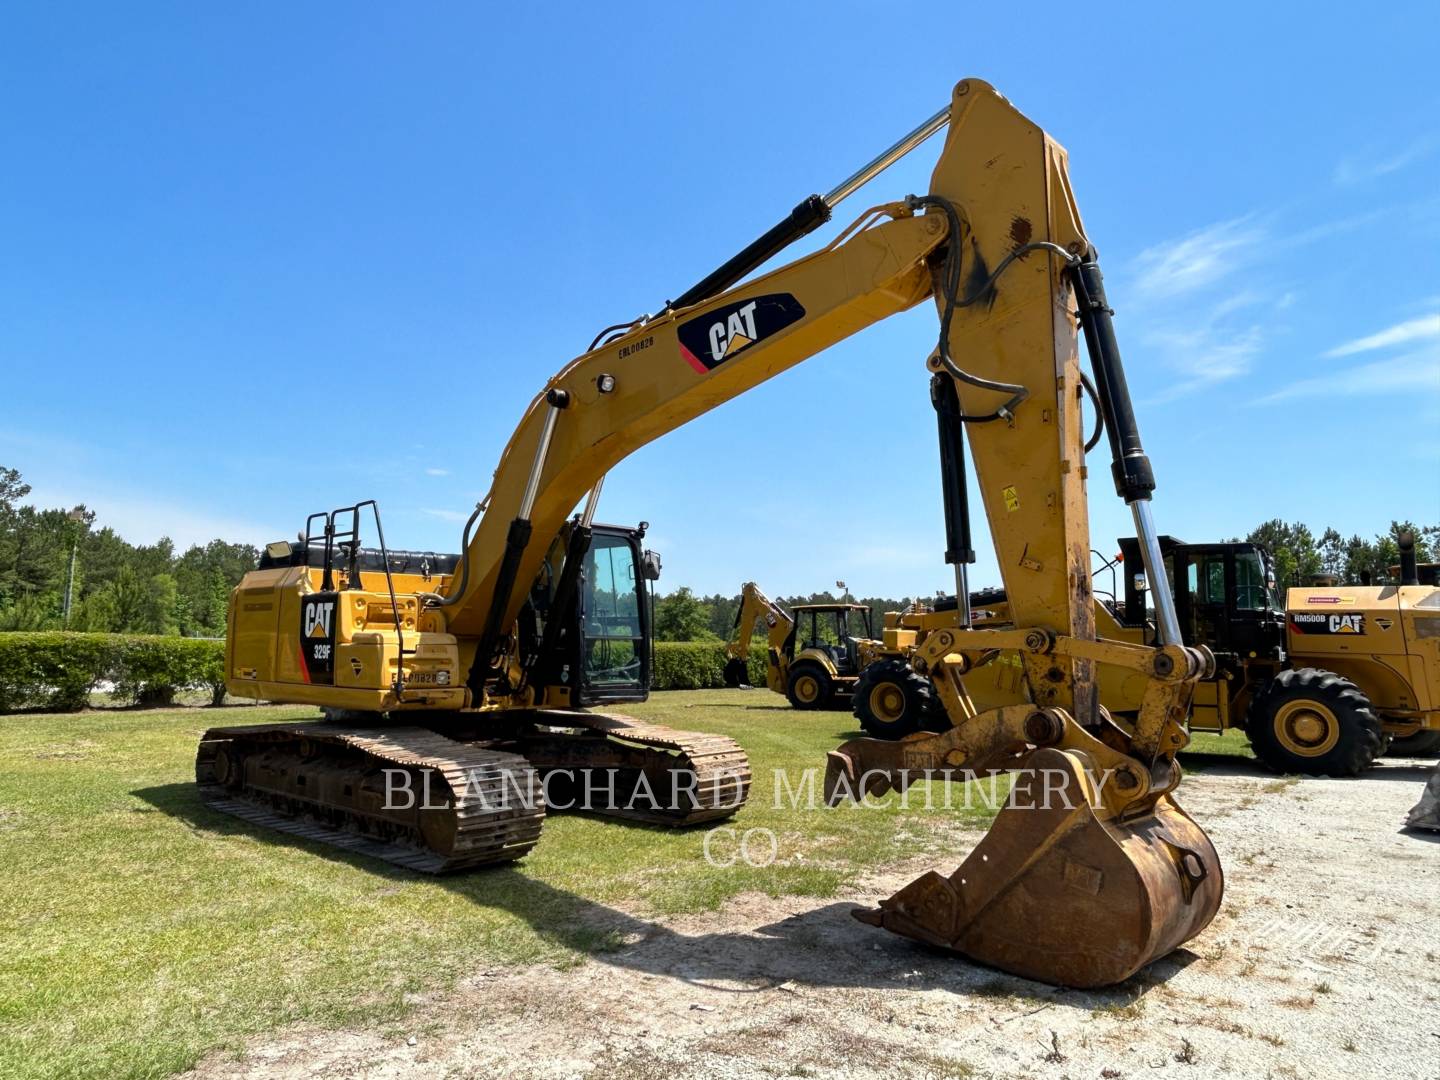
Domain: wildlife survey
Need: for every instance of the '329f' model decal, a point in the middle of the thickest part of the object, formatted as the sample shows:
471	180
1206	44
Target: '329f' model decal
708	341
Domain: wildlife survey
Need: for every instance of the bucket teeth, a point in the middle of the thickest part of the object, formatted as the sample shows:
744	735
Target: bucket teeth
1054	893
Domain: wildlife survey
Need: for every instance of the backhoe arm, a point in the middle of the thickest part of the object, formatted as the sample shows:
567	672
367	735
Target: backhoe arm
754	604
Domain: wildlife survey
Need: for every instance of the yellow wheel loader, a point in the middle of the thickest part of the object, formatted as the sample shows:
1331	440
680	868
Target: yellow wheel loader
813	652
456	690
1320	683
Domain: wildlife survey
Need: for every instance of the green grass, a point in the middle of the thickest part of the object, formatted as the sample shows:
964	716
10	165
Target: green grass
139	929
1232	743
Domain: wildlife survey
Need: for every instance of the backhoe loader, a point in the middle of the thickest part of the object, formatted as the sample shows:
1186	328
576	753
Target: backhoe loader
813	652
459	684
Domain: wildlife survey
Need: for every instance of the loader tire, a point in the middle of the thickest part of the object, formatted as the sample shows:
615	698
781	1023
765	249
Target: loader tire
891	700
1421	744
810	687
1313	722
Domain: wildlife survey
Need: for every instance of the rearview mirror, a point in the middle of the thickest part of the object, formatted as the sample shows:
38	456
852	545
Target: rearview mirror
279	550
650	565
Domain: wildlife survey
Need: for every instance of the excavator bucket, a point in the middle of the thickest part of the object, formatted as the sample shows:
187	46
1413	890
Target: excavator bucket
1055	893
1426	814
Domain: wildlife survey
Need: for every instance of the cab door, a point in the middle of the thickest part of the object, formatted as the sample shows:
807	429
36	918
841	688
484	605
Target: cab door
614	634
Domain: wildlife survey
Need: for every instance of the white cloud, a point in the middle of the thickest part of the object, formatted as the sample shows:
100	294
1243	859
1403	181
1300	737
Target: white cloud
1197	260
437	472
1353	170
1202	356
1419	370
446	515
1427	326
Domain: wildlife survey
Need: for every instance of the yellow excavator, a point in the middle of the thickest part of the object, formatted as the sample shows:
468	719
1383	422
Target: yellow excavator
455	689
814	653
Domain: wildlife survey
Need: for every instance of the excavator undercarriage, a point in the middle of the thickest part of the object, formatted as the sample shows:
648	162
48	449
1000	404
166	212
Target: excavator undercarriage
454	794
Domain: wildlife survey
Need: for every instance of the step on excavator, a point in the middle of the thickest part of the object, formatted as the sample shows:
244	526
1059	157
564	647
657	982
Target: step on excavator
468	680
814	653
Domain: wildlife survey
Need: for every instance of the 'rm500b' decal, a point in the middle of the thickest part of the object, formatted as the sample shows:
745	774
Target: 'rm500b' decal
722	334
1306	622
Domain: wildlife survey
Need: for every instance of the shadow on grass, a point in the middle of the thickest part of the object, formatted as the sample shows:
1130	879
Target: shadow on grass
819	947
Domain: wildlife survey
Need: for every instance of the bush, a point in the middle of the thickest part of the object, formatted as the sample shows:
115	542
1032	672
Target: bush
698	665
59	671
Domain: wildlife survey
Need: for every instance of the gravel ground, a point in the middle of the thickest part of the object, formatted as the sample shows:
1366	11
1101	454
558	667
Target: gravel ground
1321	963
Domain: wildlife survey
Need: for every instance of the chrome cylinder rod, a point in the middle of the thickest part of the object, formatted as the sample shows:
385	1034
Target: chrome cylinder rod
867	173
557	399
1167	623
591	502
962	596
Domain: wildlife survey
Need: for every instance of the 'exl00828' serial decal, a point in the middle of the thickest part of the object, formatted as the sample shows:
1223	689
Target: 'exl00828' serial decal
708	341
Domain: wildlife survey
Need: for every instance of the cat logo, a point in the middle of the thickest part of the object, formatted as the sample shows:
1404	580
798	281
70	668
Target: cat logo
318	615
734	332
722	334
357	667
1305	622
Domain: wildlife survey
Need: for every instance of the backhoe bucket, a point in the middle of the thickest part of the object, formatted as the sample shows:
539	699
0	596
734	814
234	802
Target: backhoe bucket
1054	893
1426	814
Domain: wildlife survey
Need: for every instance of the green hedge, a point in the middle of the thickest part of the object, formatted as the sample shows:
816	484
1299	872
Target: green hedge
698	665
59	671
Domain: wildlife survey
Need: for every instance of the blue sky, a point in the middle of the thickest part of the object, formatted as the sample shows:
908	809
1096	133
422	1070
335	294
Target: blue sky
266	259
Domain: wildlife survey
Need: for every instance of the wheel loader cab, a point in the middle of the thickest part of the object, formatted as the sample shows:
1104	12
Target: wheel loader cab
1224	597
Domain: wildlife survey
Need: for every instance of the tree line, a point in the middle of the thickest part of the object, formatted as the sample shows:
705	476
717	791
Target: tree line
153	589
116	586
1301	554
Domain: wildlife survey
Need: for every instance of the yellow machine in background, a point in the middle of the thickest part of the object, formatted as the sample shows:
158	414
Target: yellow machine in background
813	652
1319	683
471	681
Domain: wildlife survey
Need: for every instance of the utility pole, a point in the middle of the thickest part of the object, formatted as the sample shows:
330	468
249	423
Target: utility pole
78	516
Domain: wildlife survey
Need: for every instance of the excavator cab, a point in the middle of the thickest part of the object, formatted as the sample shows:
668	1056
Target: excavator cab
595	617
614	625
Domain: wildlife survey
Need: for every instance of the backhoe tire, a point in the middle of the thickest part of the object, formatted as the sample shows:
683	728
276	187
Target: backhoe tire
810	687
892	701
1313	722
1421	744
737	673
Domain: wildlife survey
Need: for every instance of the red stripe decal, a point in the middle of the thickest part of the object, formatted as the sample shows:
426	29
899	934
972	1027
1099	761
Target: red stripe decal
692	361
304	668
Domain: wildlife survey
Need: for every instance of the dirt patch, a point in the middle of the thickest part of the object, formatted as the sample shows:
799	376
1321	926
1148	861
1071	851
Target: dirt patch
1322	962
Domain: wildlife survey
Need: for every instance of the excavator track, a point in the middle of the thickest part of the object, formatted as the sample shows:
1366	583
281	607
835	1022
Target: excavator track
453	805
689	777
465	795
